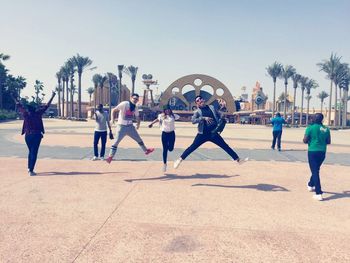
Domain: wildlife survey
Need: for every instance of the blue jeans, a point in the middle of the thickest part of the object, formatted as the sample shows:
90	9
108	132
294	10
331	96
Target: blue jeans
315	161
276	136
214	138
33	143
97	136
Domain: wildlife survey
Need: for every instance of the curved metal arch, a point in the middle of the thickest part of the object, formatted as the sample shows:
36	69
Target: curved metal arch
205	80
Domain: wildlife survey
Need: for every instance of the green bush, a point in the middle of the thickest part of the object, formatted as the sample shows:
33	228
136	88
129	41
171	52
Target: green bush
7	115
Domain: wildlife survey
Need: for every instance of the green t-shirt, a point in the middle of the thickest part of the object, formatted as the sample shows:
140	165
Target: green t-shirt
318	135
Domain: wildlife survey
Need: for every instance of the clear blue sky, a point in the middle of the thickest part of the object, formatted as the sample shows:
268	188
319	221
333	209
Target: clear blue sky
233	41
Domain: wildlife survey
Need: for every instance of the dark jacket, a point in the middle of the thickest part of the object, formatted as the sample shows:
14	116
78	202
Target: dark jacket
198	118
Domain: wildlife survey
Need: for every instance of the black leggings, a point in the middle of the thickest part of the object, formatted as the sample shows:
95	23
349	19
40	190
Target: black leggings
168	141
214	138
33	143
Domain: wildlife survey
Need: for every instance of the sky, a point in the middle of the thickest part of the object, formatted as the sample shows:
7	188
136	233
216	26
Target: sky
232	41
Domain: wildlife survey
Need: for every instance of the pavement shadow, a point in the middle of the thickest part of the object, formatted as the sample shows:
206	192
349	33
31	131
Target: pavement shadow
344	194
73	173
259	187
168	177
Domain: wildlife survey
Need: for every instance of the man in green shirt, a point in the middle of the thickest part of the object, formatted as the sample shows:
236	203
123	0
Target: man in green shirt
317	136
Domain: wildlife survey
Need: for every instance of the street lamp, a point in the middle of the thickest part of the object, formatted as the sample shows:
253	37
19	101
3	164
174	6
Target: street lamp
120	70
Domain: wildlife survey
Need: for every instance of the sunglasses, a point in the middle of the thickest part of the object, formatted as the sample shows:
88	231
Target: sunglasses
199	99
135	98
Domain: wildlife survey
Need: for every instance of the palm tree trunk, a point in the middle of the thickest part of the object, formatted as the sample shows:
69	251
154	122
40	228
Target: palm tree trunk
71	103
274	98
330	104
95	98
301	108
101	95
79	96
132	87
307	110
335	105
59	99
340	107
285	101
63	87
67	100
345	108
293	110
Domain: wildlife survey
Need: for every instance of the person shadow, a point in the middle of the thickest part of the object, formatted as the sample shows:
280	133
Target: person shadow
168	177
73	173
258	187
333	195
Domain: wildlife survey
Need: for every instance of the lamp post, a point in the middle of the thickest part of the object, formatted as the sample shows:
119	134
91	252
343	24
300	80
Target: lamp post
120	74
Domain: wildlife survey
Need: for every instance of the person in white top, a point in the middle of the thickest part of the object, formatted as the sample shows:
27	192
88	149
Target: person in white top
102	122
167	126
127	110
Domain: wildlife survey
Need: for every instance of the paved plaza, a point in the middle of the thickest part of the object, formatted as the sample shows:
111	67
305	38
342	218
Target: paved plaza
208	210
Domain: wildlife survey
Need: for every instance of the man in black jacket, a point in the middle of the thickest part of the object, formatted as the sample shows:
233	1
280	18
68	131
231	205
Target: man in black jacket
207	118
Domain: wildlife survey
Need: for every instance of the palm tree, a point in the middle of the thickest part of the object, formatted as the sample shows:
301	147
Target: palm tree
344	84
3	57
81	63
96	81
71	70
101	84
132	72
310	84
303	81
113	80
59	80
90	91
287	72
296	79
322	95
64	74
274	71
339	75
330	68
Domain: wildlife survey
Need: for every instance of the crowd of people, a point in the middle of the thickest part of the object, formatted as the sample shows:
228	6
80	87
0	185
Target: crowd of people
210	122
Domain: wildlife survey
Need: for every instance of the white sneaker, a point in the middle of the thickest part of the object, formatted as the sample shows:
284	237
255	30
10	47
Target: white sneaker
102	158
164	167
242	161
317	197
177	163
95	158
311	188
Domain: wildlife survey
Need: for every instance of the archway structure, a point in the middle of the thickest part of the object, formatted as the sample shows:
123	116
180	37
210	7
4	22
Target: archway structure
184	90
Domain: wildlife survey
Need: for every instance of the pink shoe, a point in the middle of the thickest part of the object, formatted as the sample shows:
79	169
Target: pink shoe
109	159
149	150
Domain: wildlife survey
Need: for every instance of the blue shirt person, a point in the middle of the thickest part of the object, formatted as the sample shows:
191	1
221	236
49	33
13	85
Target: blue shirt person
277	124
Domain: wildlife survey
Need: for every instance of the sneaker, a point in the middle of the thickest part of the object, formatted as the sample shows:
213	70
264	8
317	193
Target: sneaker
279	149
31	173
272	148
177	163
149	150
318	197
164	168
109	159
311	188
242	161
95	158
102	158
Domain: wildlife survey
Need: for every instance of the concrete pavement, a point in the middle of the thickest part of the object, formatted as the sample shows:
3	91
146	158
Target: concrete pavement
209	210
